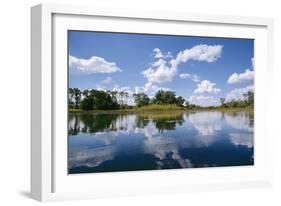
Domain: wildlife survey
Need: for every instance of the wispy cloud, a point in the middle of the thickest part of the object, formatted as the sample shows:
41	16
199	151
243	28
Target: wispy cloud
243	139
192	77
105	84
158	54
107	80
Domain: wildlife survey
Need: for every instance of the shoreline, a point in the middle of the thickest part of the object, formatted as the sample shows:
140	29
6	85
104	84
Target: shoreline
138	110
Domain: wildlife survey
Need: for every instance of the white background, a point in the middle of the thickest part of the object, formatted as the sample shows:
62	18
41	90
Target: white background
15	101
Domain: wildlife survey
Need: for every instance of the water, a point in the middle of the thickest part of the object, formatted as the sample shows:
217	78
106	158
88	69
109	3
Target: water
129	142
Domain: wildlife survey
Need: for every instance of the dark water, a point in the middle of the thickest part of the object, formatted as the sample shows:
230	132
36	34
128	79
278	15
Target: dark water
126	142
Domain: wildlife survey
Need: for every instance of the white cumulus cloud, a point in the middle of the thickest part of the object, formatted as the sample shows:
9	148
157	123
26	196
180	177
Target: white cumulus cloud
206	86
159	73
242	77
92	65
162	71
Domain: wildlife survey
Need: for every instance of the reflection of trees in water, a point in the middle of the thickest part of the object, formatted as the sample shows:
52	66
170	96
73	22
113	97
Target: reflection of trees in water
124	122
73	125
164	150
97	123
141	121
209	124
240	120
251	116
203	121
92	123
162	121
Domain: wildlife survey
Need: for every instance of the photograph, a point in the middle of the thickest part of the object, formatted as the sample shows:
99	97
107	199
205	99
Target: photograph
139	101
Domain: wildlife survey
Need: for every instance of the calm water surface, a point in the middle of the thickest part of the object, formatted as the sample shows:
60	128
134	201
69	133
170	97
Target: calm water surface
126	142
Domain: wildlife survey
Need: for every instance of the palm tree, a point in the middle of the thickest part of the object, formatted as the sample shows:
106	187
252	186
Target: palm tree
222	100
126	96
121	94
245	97
70	94
250	96
86	93
113	95
108	92
77	96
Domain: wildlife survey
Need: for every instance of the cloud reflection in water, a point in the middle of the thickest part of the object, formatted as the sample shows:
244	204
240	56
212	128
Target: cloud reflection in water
181	140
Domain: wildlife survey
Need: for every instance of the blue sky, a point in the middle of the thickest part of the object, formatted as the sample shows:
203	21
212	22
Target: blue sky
200	69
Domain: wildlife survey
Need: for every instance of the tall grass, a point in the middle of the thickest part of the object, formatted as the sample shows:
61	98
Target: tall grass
159	107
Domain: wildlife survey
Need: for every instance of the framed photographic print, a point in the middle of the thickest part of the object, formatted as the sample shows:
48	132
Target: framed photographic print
137	102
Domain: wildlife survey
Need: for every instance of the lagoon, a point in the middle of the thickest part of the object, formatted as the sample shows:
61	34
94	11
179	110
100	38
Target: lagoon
110	142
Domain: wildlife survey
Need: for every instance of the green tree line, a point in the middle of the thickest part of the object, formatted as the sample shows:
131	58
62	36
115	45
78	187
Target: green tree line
247	101
112	100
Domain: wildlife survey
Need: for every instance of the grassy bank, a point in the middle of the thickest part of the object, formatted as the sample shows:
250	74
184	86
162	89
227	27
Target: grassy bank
165	108
148	108
223	109
159	107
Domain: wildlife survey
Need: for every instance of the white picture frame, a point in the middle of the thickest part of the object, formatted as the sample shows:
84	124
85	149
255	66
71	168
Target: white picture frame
49	178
